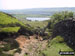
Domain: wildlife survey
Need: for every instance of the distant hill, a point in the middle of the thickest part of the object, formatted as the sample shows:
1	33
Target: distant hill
37	12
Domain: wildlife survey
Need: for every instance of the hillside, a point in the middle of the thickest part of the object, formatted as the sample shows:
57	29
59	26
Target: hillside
11	28
9	24
55	45
13	37
6	23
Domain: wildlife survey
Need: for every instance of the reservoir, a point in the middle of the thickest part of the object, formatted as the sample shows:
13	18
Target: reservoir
38	19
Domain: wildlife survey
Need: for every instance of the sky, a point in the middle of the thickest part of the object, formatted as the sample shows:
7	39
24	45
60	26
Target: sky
25	4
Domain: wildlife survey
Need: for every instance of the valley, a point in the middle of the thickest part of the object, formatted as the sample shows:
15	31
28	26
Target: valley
41	36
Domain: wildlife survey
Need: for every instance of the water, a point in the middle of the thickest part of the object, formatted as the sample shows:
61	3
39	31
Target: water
38	19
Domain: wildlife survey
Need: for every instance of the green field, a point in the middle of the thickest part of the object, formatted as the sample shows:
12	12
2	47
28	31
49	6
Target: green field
36	24
23	16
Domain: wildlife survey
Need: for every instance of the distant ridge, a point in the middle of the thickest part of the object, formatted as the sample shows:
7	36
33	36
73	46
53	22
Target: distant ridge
39	11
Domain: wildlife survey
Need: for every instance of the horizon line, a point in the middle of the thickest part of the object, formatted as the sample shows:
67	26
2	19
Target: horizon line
37	8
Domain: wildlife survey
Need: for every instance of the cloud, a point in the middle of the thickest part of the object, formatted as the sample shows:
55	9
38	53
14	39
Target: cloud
23	4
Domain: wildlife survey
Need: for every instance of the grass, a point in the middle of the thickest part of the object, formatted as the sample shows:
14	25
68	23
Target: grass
25	55
55	47
9	29
6	19
23	16
35	24
6	22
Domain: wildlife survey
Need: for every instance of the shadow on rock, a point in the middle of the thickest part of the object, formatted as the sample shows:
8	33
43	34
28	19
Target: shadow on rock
66	29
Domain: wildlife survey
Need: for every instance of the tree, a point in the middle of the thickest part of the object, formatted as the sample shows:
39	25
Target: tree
64	15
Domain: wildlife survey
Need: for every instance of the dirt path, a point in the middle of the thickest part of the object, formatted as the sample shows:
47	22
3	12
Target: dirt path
31	47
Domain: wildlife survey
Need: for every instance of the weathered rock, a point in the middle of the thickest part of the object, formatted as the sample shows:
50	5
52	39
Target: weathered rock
65	28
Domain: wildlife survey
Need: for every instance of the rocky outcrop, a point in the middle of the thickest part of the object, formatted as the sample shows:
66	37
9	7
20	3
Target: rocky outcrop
65	28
